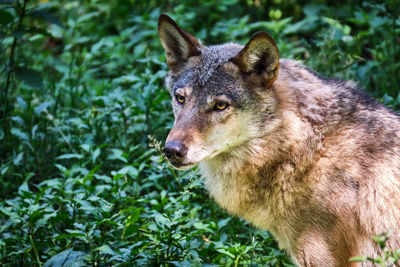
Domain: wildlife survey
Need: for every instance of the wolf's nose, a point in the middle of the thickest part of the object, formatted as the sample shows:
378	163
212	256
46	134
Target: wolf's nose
175	151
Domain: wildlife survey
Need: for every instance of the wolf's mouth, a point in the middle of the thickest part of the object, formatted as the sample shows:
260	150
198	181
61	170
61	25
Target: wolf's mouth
187	165
179	158
182	166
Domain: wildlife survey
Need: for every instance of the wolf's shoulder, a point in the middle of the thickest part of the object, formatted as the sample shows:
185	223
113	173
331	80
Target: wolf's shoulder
346	92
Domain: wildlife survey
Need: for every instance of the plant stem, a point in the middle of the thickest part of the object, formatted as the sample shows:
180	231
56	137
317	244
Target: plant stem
393	58
237	260
35	251
11	60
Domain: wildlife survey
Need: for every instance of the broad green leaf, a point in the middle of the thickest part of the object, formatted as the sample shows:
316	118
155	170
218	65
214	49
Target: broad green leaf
88	16
21	135
117	154
161	219
201	226
89	176
133	218
223	222
23	188
105	206
42	107
4	168
60	167
223	251
130	170
45	219
13	215
96	154
105	249
17	160
85	147
67	258
21	103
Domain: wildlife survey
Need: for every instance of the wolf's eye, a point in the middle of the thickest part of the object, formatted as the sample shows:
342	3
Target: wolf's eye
180	99
219	106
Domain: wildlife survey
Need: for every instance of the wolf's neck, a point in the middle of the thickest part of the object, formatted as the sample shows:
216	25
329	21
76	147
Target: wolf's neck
256	180
321	103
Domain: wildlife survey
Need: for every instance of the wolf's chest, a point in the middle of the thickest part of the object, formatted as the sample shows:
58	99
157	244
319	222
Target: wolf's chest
245	197
264	207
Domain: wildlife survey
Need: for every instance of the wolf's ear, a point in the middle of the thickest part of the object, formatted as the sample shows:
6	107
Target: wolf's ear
259	58
179	45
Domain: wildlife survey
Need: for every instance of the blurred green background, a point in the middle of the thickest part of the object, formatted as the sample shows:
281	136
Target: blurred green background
83	118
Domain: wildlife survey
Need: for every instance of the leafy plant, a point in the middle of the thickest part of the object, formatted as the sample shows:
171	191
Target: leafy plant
387	257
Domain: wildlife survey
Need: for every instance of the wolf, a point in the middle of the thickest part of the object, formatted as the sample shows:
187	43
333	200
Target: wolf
313	160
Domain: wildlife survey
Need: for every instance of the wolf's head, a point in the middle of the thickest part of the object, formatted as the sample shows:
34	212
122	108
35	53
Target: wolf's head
221	94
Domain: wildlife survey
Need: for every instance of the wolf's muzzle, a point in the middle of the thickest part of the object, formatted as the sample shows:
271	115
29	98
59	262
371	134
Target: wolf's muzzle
175	152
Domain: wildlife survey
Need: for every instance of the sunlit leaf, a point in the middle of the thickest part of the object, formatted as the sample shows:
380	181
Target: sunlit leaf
17	132
42	107
358	258
70	156
105	249
68	257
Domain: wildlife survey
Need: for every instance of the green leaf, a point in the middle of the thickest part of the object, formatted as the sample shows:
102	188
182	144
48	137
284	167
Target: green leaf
89	176
117	176
105	249
42	107
88	16
5	17
161	220
96	154
70	156
223	251
67	258
358	258
223	222
130	170
14	217
133	218
30	77
21	135
17	160
117	154
23	188
200	226
85	147
45	219
77	232
68	236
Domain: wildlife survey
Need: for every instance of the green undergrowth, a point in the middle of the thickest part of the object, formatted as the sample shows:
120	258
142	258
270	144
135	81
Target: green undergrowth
84	113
